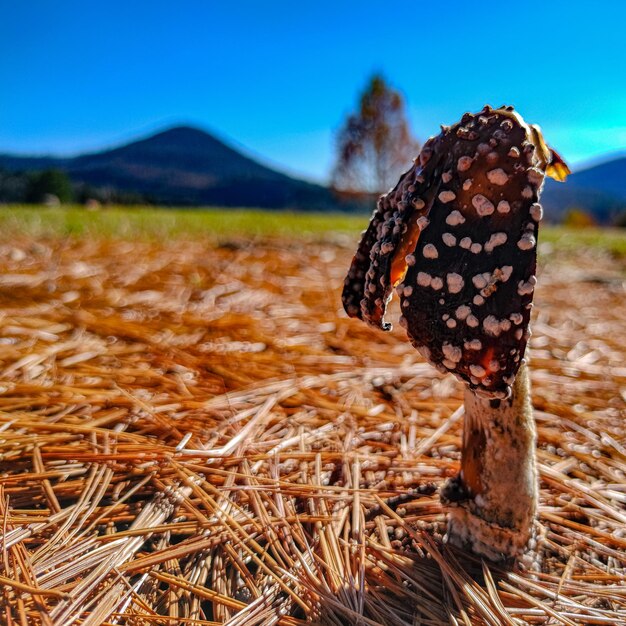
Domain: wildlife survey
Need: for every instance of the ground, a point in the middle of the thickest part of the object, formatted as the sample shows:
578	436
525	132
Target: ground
193	432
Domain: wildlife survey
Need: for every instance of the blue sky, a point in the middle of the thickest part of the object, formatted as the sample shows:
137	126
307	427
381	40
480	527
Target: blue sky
277	78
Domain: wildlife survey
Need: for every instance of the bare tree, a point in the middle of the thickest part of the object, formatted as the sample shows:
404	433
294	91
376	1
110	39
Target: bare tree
375	144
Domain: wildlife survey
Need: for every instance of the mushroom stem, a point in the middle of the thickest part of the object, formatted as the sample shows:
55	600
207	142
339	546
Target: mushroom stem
492	503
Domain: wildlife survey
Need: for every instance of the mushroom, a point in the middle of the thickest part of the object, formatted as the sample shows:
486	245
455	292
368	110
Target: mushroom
457	239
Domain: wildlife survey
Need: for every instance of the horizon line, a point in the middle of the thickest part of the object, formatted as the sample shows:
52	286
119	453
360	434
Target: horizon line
160	128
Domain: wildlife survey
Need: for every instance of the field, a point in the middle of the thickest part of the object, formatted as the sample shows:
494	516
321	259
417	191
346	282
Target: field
192	432
214	225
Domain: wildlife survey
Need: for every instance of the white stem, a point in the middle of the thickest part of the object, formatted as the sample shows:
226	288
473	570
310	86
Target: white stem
492	504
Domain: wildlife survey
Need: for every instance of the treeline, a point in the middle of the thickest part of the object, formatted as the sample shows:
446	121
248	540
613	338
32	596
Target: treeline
53	187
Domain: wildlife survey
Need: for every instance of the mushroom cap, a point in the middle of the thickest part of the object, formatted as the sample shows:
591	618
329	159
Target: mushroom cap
457	236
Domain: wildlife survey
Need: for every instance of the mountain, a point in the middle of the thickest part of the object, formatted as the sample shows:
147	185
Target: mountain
189	167
599	190
184	166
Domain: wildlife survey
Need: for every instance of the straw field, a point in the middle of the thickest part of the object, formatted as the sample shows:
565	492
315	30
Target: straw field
192	432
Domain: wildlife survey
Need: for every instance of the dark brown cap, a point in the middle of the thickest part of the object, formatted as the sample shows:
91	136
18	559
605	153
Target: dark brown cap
458	236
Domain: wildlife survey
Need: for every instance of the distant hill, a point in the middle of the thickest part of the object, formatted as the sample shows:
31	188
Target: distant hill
185	166
189	167
599	190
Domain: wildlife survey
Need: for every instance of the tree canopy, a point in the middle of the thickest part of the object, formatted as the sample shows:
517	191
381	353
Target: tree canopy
375	143
49	182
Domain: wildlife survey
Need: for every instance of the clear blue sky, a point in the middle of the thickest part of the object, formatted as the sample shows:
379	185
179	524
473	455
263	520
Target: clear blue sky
278	77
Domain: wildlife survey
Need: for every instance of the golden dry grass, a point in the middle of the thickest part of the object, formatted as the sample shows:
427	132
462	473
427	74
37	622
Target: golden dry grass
194	433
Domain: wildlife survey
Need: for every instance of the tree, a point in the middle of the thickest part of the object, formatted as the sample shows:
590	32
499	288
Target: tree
375	144
12	186
620	219
578	218
48	183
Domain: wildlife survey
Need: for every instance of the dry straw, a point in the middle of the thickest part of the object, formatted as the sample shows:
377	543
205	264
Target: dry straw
194	434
